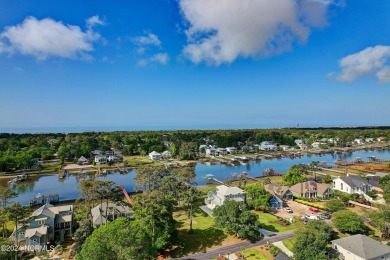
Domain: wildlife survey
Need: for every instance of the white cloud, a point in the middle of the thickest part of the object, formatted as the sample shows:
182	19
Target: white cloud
95	20
366	62
47	38
162	58
221	31
148	39
384	75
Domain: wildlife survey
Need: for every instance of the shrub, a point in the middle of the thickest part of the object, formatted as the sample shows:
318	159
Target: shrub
311	204
274	250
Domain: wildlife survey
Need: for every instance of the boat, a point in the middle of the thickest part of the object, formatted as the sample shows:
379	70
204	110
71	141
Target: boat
38	196
62	175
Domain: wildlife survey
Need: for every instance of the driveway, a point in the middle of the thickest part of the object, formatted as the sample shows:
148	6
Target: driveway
297	208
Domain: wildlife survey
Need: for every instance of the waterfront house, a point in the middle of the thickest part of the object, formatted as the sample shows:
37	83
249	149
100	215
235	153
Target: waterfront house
358	141
95	152
110	152
217	197
82	160
301	144
155	156
48	223
100	159
311	189
280	194
211	151
105	212
351	184
268	146
222	151
360	247
369	140
231	150
286	147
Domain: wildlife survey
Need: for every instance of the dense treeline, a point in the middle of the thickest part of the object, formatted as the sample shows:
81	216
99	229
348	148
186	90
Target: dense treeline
20	150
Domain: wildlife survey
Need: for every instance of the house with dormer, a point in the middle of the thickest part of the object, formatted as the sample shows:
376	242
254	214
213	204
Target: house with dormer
48	223
311	190
280	194
351	184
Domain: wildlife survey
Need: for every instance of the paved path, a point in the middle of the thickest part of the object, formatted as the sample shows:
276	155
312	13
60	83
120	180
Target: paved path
236	247
284	248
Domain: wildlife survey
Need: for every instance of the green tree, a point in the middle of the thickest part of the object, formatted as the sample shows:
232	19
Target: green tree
327	178
19	215
349	222
190	197
6	254
381	219
258	197
82	233
236	218
311	241
293	176
121	239
6	194
188	151
334	205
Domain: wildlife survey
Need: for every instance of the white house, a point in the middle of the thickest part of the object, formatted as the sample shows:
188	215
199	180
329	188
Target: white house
155	156
351	184
316	145
286	147
231	149
222	151
360	247
369	140
100	159
211	151
268	146
301	144
217	197
358	141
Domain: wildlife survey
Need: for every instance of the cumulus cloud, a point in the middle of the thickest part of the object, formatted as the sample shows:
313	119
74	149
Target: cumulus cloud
369	61
221	31
48	38
161	58
148	39
95	20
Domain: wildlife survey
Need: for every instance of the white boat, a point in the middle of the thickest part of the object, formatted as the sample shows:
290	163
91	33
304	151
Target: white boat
38	196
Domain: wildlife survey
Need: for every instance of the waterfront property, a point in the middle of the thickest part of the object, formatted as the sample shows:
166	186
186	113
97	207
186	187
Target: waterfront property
360	247
280	194
48	223
155	156
82	160
100	159
268	146
217	197
105	212
311	189
351	184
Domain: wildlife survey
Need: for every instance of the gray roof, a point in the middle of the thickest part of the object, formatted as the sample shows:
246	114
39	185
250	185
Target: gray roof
99	212
281	256
225	190
363	246
354	181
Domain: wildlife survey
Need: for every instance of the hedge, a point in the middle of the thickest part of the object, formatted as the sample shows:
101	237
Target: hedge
311	204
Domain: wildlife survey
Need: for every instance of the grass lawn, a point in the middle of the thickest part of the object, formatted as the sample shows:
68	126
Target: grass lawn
253	254
137	160
205	235
268	222
289	243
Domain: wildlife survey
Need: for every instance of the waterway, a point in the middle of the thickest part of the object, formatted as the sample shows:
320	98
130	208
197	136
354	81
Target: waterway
67	188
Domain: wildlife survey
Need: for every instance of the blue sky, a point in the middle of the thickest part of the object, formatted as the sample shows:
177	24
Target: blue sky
175	64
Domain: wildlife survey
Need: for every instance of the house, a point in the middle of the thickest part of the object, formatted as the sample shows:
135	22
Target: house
280	194
110	152
105	212
286	147
222	151
155	156
358	141
360	247
316	145
166	155
100	159
217	197
351	184
48	223
112	158
82	160
369	140
231	150
381	139
301	144
311	189
268	146
211	151
95	152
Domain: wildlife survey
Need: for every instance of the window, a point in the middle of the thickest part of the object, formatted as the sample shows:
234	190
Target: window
40	222
35	240
341	186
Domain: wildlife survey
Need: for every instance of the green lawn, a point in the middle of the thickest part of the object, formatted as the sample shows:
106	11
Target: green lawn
289	243
205	235
268	223
253	254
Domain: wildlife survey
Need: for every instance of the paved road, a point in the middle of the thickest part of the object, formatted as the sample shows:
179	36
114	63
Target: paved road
236	247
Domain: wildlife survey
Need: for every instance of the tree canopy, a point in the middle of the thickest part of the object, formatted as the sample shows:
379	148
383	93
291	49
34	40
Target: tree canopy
349	222
293	176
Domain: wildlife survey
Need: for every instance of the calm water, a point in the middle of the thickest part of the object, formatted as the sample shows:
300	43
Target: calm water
67	188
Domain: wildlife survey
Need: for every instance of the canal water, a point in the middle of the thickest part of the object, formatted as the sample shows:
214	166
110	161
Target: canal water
67	188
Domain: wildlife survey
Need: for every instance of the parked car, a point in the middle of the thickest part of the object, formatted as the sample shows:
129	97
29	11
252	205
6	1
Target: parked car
314	210
312	216
288	210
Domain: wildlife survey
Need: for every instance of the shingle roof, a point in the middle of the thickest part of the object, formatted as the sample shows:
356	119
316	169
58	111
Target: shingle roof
276	189
363	246
281	256
309	186
354	181
225	190
98	212
35	232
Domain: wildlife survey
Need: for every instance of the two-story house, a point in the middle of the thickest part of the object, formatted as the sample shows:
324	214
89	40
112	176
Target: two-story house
351	184
48	223
217	197
311	189
280	194
105	212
